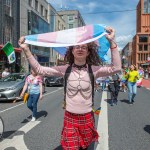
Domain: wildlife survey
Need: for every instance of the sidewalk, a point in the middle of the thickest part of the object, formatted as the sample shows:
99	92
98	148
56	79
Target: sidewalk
146	83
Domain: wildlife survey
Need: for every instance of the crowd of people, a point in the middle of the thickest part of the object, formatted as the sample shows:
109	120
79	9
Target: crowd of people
128	79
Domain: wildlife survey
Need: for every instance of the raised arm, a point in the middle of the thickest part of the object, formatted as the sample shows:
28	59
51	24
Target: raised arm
115	66
40	70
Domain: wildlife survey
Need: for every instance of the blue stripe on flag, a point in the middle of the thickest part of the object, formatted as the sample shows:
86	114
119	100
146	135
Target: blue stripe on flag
103	42
32	37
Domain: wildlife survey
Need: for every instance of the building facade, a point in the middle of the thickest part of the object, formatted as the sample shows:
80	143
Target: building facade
72	18
9	31
56	24
141	41
126	55
34	20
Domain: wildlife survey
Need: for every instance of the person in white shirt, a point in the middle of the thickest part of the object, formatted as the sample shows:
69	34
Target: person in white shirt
5	73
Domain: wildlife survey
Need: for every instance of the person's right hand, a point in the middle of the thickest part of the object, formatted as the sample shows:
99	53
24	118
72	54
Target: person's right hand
21	43
21	95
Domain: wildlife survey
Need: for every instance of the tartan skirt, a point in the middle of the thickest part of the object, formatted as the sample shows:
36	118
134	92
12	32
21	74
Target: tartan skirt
78	131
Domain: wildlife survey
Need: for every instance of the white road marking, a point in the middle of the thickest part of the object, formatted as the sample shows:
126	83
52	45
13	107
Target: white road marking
23	103
102	127
17	141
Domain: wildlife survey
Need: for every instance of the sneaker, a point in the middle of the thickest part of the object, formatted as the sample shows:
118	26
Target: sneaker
124	91
33	119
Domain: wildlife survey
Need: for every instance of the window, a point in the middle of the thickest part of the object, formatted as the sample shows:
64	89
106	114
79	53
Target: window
52	52
138	57
52	21
7	34
61	16
7	7
46	12
149	6
59	25
143	38
70	26
146	56
145	47
36	5
141	57
30	3
140	48
42	10
70	17
146	6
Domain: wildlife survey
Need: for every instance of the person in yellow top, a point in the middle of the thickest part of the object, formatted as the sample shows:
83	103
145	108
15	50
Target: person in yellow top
132	76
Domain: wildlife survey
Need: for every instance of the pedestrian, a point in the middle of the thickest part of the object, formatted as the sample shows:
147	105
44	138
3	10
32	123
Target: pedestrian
33	85
149	71
132	76
114	87
5	73
123	81
79	127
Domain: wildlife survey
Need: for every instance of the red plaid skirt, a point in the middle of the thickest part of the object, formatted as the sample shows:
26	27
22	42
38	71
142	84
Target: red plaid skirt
78	131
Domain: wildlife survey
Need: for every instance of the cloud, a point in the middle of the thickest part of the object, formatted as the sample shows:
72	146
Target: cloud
86	7
123	22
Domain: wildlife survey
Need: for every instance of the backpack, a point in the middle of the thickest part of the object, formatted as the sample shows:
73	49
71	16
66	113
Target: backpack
67	73
115	77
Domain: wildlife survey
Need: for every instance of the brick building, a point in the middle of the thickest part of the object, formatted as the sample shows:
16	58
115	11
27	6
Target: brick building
141	41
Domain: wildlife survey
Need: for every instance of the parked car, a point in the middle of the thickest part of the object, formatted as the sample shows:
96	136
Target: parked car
11	86
53	81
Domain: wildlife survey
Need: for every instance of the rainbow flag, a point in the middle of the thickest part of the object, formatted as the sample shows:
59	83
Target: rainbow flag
60	40
97	111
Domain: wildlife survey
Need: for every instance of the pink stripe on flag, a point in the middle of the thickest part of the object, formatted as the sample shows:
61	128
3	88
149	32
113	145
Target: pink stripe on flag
47	37
84	33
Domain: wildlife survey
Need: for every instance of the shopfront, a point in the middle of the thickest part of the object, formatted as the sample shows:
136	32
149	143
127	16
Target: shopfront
14	67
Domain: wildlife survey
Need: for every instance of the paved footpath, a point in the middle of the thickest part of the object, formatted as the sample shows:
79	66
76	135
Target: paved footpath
146	83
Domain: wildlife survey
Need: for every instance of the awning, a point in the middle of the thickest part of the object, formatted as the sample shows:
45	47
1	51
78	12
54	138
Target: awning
16	49
146	64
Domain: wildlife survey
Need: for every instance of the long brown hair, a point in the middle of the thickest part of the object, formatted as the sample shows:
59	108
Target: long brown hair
92	58
135	68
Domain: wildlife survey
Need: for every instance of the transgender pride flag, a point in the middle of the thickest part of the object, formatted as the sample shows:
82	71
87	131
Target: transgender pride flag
60	40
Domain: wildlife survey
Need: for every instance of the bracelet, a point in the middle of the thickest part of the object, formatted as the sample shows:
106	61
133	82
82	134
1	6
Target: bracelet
29	57
114	46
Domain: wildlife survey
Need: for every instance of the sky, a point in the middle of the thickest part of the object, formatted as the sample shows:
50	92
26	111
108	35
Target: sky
119	14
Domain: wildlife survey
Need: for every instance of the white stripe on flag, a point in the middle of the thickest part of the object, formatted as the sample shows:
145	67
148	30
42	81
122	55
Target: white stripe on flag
44	44
62	37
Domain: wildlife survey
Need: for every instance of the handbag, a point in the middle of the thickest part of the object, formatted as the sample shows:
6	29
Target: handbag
25	97
26	94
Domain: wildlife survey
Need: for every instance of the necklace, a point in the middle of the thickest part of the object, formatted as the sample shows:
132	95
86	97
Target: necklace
79	66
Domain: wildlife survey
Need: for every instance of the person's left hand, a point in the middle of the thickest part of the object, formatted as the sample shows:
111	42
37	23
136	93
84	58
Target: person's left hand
41	97
111	33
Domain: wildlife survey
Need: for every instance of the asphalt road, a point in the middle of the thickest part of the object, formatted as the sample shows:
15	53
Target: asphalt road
128	125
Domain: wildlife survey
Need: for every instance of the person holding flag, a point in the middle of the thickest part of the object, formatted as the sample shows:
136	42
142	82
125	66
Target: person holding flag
79	127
